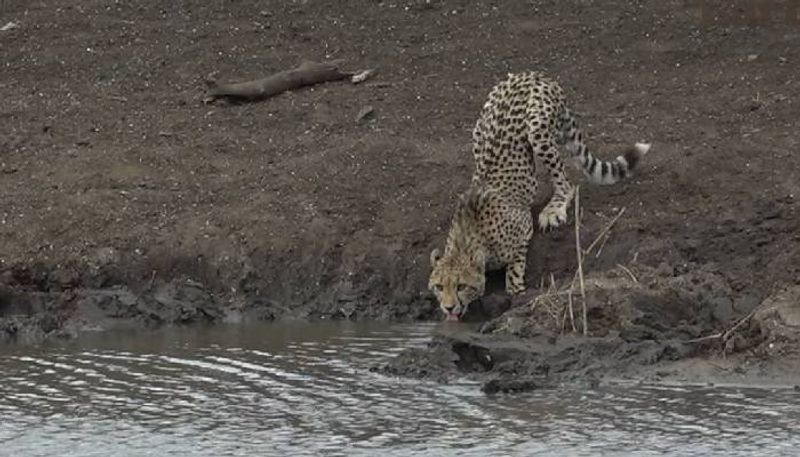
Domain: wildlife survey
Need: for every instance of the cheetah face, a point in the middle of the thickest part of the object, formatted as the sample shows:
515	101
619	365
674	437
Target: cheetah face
457	281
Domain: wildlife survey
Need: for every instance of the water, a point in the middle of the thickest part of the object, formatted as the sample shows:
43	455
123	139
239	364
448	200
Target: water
305	389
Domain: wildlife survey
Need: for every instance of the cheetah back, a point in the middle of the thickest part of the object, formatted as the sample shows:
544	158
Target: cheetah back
521	114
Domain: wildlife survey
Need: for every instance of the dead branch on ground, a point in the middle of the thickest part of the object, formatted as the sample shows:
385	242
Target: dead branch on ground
306	74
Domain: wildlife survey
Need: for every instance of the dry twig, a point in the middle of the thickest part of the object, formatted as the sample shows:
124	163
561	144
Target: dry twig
726	335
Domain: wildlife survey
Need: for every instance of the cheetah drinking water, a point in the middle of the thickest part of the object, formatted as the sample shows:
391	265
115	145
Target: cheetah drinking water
525	119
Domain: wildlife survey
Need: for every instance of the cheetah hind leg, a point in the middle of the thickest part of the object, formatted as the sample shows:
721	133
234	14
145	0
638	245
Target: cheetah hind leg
554	213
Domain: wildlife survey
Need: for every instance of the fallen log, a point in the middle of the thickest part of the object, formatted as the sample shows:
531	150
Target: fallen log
306	74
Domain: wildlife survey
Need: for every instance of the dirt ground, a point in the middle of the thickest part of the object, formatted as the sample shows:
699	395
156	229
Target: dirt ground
125	199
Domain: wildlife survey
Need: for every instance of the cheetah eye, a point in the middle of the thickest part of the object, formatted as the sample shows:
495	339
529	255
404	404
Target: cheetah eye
438	287
462	287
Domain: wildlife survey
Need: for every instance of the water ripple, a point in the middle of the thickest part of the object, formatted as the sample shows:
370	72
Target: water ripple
305	389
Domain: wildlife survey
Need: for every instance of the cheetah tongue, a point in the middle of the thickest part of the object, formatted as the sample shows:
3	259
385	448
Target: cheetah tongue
452	317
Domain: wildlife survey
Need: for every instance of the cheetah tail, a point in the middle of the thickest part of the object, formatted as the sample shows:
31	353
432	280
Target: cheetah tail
596	170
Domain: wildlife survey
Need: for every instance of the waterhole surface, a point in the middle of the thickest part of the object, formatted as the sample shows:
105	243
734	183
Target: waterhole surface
304	389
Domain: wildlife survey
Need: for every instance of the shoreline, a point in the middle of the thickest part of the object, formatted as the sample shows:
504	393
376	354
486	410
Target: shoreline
126	199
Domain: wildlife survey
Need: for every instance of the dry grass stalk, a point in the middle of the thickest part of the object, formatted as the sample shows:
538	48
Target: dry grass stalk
549	298
570	306
628	271
567	312
579	254
545	298
604	232
602	245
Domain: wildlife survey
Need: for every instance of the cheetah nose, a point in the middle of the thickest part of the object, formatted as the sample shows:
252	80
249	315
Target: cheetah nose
449	308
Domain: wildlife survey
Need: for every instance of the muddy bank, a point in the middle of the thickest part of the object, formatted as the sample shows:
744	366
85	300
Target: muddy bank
42	302
654	328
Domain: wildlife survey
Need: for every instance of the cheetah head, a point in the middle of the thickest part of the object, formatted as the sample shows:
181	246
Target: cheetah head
457	280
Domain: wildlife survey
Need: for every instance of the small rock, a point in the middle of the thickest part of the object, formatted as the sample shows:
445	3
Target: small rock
9	26
365	112
362	76
754	105
752	57
782	60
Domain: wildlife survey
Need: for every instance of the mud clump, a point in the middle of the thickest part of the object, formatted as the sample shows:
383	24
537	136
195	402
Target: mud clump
435	362
505	386
775	326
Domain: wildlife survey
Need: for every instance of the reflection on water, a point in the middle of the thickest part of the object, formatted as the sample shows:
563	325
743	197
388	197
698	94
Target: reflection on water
305	389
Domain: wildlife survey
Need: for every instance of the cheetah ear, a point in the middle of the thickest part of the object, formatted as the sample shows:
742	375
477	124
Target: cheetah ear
435	256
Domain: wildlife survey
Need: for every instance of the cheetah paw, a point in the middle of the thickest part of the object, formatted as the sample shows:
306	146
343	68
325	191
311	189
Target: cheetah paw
551	217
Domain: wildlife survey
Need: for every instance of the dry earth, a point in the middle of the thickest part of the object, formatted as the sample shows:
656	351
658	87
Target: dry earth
125	199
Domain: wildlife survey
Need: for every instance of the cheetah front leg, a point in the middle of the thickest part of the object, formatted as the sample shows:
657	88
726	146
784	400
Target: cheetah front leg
520	235
555	212
515	272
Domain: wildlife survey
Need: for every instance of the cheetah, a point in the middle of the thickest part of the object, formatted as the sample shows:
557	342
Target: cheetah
525	119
